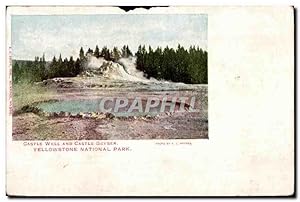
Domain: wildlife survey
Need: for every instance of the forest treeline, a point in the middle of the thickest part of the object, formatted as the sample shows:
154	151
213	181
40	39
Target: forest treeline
178	65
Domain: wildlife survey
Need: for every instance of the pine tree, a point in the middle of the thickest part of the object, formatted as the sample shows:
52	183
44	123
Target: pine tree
81	54
105	52
123	51
59	59
77	67
139	59
42	68
43	58
128	52
97	52
53	68
116	54
54	60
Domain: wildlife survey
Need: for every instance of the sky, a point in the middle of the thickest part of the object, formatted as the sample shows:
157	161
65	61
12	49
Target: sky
65	34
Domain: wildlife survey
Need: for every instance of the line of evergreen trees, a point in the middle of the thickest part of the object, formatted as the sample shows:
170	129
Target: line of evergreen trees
180	65
39	69
29	71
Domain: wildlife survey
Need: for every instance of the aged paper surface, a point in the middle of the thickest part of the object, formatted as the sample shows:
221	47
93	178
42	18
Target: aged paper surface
246	149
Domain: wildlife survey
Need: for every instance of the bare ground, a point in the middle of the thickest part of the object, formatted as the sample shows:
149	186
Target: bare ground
29	126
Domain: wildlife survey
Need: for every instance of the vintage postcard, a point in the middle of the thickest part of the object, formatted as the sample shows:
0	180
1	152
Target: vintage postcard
166	101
